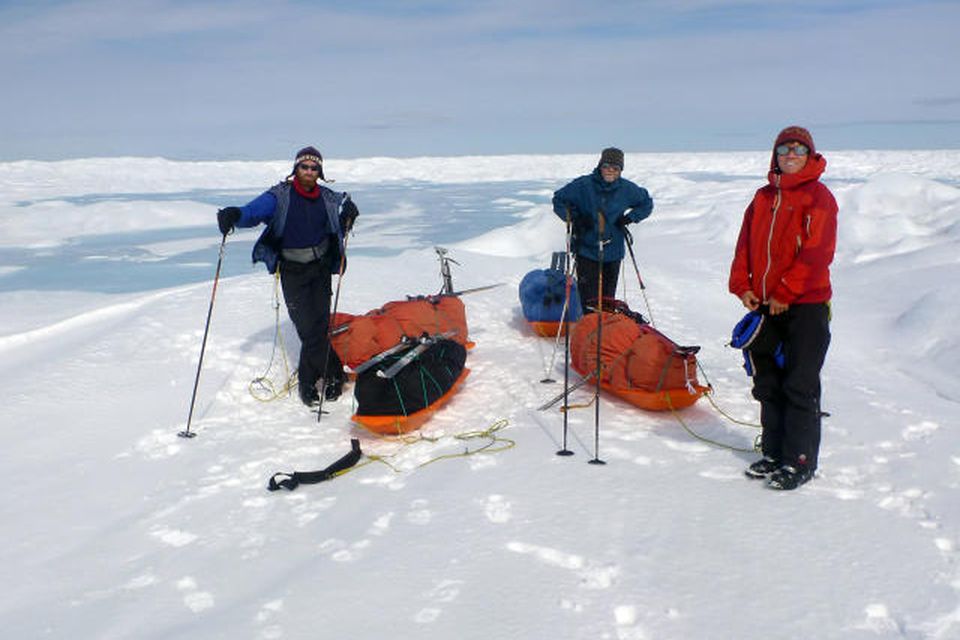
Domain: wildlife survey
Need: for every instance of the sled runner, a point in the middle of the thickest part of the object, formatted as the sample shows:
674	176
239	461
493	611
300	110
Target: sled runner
638	363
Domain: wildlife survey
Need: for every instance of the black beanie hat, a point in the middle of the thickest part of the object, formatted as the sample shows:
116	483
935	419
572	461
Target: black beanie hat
308	154
611	155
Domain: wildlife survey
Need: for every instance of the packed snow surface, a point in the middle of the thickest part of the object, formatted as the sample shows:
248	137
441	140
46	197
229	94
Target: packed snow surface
114	527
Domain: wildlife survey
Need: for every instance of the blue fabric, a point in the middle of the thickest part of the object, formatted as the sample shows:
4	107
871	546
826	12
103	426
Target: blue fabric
586	197
271	207
745	330
751	336
307	224
542	292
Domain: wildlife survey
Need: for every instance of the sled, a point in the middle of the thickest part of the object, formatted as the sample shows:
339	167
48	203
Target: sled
405	389
358	338
400	424
542	296
638	363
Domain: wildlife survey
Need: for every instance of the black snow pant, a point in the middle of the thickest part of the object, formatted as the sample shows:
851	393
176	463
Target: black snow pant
790	396
307	291
588	272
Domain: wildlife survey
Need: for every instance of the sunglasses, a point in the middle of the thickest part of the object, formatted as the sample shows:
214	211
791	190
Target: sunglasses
309	167
798	149
607	165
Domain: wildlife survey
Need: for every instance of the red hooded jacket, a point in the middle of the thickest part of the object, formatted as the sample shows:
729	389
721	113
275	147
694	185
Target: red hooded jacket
787	239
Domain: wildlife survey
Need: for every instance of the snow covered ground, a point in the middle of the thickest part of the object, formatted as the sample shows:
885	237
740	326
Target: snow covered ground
113	527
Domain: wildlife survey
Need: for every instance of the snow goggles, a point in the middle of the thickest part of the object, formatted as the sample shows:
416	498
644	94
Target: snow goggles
798	149
309	167
609	165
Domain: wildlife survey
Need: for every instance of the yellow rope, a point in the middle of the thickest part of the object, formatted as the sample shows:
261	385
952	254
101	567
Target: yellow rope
262	388
726	415
494	444
686	427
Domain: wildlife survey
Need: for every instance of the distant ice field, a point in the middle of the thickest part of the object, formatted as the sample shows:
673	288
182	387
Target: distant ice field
124	225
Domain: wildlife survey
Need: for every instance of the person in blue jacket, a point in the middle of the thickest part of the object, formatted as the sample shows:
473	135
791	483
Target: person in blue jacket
584	200
305	227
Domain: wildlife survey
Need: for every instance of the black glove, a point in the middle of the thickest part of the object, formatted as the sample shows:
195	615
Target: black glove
623	221
227	218
348	214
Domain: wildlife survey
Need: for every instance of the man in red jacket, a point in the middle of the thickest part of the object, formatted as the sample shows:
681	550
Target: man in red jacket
781	268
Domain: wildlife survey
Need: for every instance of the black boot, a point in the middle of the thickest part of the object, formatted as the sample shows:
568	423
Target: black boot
788	478
308	394
762	468
333	389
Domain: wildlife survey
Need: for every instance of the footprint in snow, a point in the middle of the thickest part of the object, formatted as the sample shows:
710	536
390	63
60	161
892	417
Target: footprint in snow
193	598
625	617
174	537
920	431
269	611
381	525
442	592
340	551
591	575
497	509
419	513
879	621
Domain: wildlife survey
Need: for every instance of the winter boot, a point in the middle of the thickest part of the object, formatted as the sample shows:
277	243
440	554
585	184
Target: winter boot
788	478
308	394
762	468
333	389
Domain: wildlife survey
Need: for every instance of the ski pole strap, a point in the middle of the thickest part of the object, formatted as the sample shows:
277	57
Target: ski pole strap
291	481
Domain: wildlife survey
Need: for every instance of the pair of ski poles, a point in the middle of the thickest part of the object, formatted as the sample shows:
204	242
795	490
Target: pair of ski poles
187	433
568	275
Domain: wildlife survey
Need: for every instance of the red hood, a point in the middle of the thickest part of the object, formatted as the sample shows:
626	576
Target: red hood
816	165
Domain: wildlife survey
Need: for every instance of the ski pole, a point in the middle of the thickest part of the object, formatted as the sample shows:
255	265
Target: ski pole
596	396
564	322
186	433
336	301
636	269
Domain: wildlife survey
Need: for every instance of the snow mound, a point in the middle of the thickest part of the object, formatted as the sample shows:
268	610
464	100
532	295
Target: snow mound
541	233
897	213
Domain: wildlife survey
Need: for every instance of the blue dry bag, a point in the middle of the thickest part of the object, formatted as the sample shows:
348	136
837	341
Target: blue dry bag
752	336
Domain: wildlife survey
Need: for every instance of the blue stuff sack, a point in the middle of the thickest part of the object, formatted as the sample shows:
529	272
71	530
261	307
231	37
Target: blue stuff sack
752	336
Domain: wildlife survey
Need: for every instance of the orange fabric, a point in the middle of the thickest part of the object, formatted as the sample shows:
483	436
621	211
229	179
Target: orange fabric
675	399
634	357
376	331
787	239
549	329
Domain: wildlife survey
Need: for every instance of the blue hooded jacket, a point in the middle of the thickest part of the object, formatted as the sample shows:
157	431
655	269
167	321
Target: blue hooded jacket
271	207
588	196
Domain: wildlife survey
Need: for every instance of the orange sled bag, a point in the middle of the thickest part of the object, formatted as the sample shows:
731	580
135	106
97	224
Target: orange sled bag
638	363
356	339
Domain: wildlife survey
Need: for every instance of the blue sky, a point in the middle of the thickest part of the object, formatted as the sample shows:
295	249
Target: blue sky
256	79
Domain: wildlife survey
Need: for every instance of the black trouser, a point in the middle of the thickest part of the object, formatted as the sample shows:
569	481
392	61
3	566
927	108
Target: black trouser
790	396
307	290
588	273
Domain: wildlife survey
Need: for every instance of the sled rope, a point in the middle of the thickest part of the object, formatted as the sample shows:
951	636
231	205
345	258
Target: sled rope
709	395
494	444
262	387
697	436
